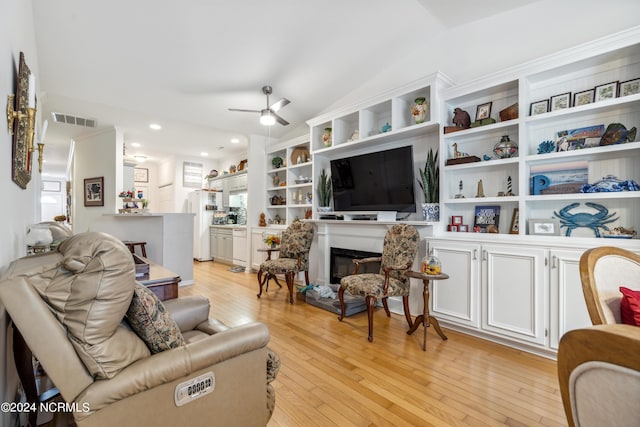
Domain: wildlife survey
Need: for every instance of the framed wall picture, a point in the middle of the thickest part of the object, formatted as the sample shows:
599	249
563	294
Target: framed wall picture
141	175
483	111
514	227
583	98
630	87
559	102
544	227
539	107
192	175
94	191
606	91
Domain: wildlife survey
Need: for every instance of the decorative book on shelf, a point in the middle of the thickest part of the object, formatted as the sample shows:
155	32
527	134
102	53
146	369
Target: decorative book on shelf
486	219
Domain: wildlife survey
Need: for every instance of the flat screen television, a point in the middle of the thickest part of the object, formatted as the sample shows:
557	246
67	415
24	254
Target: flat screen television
380	181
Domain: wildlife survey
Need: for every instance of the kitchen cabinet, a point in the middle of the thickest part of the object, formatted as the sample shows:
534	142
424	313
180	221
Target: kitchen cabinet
240	246
221	244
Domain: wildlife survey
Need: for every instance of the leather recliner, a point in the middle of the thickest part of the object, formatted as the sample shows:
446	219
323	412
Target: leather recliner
69	306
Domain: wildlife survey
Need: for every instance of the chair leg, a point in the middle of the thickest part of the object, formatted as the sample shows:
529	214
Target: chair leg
386	306
407	312
290	279
261	281
371	304
341	299
306	277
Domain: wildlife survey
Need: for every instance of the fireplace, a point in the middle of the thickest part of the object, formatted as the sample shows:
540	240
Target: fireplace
341	264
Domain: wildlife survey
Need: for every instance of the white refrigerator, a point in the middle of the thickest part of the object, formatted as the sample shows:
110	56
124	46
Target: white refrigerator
198	202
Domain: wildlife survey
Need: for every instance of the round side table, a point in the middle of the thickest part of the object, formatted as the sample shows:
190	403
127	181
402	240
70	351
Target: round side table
425	319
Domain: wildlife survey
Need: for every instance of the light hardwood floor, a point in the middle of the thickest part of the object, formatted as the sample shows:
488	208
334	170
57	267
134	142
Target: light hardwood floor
332	376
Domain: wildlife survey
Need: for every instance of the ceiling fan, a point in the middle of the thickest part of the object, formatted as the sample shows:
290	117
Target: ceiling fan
268	115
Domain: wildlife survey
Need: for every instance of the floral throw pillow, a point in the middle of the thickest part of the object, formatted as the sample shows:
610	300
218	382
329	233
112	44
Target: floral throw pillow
153	324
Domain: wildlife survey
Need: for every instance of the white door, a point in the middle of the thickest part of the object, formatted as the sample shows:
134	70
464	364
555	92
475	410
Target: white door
457	298
567	309
514	280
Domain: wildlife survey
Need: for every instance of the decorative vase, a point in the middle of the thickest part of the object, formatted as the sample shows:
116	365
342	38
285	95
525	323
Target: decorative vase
431	212
419	110
326	137
505	148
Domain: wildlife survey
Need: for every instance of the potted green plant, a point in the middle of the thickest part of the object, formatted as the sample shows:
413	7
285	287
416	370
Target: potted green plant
324	192
430	184
276	162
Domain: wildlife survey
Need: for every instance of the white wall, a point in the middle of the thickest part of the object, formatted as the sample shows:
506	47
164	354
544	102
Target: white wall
20	208
97	155
473	50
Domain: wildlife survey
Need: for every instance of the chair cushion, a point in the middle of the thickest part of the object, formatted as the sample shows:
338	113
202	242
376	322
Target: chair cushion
280	266
373	284
630	306
149	319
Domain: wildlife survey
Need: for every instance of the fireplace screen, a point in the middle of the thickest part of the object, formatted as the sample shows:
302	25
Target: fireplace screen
342	265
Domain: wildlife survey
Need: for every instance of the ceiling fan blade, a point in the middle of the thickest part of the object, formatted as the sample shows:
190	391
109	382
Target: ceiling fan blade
278	105
244	111
279	119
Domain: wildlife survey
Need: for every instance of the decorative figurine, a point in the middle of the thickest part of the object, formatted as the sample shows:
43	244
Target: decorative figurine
457	154
480	192
459	195
617	133
262	222
276	179
326	137
584	219
461	119
509	187
386	128
419	110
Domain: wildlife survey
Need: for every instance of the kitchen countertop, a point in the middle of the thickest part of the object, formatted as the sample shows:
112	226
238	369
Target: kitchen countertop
228	226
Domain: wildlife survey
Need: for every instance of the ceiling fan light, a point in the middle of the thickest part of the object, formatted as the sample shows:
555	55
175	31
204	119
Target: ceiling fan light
266	119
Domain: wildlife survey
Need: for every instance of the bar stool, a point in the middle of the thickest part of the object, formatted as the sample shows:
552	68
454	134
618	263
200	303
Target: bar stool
132	246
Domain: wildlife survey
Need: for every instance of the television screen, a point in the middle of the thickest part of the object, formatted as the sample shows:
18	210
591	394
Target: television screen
380	181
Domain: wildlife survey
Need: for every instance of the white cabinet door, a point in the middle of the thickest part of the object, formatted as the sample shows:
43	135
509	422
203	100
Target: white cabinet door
514	280
240	247
457	299
567	308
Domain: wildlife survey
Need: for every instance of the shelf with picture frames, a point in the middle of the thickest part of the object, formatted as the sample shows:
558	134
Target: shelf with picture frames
555	105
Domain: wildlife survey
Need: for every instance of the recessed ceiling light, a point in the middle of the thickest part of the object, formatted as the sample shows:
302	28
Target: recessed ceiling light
155	126
135	144
140	158
234	140
204	154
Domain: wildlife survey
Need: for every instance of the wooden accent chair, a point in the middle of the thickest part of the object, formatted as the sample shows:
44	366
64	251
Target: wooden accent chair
294	257
398	253
599	376
602	271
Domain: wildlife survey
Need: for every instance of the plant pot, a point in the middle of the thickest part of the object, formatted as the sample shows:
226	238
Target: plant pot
324	208
431	212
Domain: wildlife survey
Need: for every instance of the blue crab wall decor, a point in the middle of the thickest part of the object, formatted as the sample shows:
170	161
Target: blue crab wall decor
585	219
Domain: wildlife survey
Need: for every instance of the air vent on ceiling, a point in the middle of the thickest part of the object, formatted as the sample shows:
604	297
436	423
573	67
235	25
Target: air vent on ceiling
74	120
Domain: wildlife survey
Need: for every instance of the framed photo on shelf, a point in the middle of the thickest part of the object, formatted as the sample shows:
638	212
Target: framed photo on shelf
606	91
94	191
456	219
630	87
452	227
141	175
483	111
544	227
562	101
539	107
463	228
487	219
583	98
514	227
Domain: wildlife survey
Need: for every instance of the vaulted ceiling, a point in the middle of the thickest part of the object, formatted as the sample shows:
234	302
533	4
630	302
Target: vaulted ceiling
183	64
